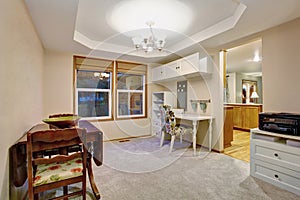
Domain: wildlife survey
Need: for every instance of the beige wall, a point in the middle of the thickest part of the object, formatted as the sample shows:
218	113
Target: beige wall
21	61
281	68
58	83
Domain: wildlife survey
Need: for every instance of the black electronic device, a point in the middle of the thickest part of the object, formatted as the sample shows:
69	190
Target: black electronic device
284	123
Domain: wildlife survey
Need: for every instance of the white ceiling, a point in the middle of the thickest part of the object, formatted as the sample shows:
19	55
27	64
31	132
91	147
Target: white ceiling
241	58
214	23
94	26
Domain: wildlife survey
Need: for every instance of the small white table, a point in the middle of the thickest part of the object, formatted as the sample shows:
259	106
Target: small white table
195	119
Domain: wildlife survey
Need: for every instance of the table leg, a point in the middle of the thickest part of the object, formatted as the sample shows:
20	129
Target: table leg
162	137
195	122
91	178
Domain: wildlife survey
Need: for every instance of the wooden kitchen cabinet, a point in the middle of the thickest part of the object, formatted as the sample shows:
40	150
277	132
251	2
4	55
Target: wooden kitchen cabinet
251	117
245	116
228	126
237	116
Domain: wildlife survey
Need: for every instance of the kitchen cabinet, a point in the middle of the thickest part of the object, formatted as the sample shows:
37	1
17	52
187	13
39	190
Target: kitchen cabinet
172	69
275	158
237	116
228	126
246	116
159	99
188	66
158	73
205	65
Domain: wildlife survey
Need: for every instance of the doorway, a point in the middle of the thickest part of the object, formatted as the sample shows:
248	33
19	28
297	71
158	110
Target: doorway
243	88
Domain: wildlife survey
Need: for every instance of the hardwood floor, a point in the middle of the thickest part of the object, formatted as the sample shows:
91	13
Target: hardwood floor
240	146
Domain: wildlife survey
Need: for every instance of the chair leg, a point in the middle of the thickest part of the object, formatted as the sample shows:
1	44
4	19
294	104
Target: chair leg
65	188
162	138
30	194
172	143
84	188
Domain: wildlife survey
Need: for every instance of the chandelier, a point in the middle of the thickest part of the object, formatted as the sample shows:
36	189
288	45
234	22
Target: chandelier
149	44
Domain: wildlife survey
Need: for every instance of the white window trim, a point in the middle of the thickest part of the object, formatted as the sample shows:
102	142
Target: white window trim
95	90
132	91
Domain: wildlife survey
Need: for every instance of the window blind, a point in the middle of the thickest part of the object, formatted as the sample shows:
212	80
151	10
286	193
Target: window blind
93	64
131	68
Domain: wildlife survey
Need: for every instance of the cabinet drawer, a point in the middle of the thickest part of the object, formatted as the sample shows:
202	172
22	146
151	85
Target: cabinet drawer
276	153
276	175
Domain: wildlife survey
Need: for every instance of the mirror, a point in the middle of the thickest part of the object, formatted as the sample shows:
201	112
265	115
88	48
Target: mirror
249	93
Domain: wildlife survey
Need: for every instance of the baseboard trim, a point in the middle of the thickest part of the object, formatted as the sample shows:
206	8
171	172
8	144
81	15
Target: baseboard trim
145	136
213	150
126	138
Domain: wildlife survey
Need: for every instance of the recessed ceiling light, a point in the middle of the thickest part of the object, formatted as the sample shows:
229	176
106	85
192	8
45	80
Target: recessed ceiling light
132	15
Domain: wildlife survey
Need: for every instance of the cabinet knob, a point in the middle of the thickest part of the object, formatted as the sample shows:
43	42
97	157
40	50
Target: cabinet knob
276	176
276	155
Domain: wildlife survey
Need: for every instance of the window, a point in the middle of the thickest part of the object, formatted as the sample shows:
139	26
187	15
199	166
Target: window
93	96
94	89
131	92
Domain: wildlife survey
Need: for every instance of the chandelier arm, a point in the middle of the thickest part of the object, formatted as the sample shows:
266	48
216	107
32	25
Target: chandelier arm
151	43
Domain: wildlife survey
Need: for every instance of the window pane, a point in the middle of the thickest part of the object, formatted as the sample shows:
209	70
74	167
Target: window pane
123	104
93	104
93	79
130	103
136	103
130	81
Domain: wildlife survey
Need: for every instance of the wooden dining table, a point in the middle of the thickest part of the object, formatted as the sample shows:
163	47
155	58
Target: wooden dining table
18	154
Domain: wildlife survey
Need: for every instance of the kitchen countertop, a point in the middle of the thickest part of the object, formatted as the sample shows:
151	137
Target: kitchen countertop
242	104
227	106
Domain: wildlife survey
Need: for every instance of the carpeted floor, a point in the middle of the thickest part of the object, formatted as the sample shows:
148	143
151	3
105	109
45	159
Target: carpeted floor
73	188
139	169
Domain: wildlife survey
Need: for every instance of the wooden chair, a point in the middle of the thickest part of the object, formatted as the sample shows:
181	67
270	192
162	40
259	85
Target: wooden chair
168	120
47	173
